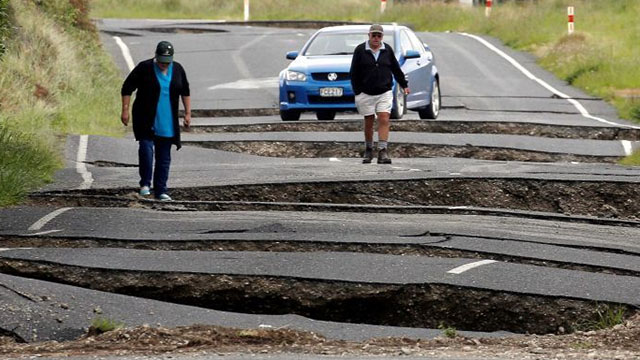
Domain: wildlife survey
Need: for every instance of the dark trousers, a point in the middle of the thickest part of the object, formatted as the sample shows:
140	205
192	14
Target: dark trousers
162	147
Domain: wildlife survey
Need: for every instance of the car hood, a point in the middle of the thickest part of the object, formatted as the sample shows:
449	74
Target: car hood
330	63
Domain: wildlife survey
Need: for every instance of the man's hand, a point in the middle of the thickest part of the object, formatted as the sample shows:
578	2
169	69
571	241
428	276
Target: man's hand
125	118
187	120
407	91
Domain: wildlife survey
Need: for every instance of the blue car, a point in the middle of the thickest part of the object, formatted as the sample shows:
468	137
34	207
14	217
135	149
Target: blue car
318	78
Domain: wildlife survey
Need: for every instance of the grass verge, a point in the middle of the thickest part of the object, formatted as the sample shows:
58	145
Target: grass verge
54	80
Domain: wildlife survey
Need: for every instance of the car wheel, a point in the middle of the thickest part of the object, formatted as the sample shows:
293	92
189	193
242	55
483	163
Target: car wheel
399	104
326	115
432	111
289	115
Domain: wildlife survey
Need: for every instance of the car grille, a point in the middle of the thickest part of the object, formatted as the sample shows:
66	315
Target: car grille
322	76
315	99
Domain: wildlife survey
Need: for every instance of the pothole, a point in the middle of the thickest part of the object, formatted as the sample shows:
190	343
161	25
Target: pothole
445	127
299	247
414	305
611	200
300	149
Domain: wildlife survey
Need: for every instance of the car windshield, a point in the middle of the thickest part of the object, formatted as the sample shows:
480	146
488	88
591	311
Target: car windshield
338	43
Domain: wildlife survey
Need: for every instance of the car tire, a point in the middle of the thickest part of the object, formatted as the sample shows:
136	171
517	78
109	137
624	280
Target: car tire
399	104
433	110
326	115
289	115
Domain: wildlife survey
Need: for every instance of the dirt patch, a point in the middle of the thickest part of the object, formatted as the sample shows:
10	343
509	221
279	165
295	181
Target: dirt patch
295	149
620	343
445	127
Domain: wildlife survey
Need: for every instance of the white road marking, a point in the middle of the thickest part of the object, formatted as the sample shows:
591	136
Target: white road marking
626	145
237	59
81	166
125	52
45	219
415	170
463	268
44	232
528	74
260	83
335	159
8	249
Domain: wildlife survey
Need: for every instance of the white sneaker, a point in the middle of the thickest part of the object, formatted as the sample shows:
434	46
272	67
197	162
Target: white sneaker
145	191
164	197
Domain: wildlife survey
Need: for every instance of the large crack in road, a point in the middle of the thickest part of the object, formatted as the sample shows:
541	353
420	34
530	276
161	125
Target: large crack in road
601	199
412	305
299	149
442	126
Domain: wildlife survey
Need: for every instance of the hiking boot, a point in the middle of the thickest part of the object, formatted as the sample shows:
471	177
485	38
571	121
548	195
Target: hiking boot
368	156
383	157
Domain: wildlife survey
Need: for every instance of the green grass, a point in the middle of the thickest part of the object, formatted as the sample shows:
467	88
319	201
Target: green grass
54	80
606	317
102	325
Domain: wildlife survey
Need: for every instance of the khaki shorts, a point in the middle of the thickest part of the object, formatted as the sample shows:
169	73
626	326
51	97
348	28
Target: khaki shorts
372	104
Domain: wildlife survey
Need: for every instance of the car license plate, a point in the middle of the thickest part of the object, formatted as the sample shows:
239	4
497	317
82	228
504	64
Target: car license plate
331	92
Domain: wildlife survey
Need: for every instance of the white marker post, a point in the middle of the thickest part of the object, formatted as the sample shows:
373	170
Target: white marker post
487	9
571	18
246	10
383	5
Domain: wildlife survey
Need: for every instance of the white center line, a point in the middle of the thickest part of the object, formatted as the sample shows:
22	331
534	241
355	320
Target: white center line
44	232
81	166
463	268
45	219
626	145
125	52
334	159
528	74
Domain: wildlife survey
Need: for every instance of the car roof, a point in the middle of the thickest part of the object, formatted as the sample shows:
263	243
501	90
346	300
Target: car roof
388	28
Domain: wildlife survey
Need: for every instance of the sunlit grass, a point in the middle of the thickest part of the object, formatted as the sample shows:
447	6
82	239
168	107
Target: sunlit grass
54	80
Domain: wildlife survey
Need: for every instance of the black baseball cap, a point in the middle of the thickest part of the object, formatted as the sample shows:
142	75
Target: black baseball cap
164	52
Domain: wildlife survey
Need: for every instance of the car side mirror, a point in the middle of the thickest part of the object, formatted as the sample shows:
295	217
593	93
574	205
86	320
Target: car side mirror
411	54
292	55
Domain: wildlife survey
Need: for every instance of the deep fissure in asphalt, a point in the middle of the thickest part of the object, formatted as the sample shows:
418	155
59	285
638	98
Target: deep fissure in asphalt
299	246
413	305
602	199
300	149
444	127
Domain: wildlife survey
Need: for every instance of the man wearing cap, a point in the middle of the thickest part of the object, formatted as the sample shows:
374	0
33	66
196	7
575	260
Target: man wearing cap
159	82
372	67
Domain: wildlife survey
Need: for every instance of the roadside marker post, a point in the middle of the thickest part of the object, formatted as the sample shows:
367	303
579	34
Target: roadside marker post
383	5
571	18
487	9
246	10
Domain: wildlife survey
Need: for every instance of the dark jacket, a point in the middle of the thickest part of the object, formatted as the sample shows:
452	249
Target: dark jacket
374	77
143	78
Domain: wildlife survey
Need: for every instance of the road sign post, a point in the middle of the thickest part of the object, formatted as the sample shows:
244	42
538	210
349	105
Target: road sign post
246	10
571	18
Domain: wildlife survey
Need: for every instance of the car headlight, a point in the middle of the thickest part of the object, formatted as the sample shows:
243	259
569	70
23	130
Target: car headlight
295	76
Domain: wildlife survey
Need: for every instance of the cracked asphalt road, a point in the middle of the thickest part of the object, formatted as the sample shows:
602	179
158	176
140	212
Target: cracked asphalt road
562	257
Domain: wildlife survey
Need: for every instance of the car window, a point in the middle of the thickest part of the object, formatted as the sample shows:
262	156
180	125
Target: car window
338	43
405	43
417	44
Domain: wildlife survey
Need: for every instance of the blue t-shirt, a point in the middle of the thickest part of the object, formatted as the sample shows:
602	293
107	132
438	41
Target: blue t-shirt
163	125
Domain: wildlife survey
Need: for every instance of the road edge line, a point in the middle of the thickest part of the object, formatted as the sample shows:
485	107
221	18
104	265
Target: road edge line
126	54
583	111
466	267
